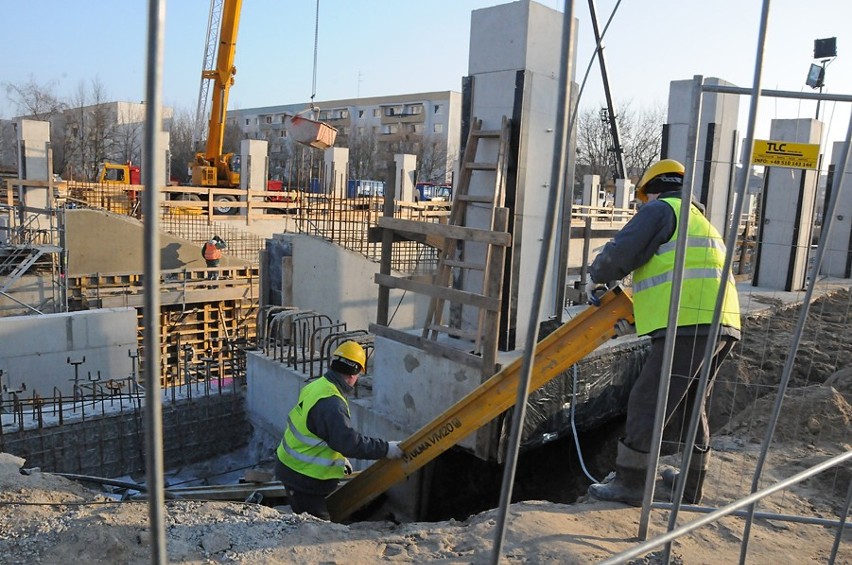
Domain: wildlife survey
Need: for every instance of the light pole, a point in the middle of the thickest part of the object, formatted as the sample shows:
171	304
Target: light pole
825	50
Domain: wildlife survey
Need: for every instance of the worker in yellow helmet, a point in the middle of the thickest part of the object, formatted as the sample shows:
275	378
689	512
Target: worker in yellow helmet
645	247
318	439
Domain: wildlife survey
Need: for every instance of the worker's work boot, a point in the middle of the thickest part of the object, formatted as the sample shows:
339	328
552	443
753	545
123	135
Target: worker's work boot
698	465
628	485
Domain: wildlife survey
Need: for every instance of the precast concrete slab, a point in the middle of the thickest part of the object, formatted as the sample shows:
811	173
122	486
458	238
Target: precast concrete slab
34	350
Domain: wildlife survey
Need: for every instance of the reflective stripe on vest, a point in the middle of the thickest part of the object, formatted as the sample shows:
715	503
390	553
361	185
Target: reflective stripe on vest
300	449
211	252
702	275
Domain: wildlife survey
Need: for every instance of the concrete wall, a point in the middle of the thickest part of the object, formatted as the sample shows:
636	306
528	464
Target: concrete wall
34	349
836	261
100	242
34	290
114	446
715	166
340	283
509	43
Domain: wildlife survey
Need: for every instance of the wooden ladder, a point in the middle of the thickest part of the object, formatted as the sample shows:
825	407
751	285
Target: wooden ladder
452	255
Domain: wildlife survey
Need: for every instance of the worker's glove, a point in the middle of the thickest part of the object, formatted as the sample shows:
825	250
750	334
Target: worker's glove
623	327
394	451
596	293
347	466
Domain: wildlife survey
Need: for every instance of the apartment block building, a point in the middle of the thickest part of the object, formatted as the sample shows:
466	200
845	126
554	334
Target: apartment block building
426	124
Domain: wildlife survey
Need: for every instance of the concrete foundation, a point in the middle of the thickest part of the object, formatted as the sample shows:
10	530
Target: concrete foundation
786	230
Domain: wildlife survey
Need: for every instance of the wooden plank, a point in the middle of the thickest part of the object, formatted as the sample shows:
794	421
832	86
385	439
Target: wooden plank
435	291
425	344
464	264
447	231
454	332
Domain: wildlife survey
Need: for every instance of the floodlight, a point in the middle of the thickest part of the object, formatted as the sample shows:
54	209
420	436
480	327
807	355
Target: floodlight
816	76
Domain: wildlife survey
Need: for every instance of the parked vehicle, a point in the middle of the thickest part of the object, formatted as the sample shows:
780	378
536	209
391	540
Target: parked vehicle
432	192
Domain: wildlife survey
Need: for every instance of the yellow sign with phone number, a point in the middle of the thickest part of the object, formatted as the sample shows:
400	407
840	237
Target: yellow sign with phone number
785	154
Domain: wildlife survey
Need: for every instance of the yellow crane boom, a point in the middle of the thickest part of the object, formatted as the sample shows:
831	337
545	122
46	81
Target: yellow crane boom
212	168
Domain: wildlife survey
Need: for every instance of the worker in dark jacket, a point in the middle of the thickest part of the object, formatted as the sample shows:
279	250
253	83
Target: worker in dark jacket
645	247
212	253
318	439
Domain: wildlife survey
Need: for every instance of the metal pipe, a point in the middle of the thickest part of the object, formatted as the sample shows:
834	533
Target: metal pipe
760	515
725	510
768	93
677	282
836	546
787	372
152	156
557	177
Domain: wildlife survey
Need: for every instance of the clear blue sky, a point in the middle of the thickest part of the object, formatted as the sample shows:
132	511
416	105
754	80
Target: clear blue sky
378	47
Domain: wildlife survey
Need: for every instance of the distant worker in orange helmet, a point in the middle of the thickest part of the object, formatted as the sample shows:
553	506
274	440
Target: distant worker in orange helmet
318	439
212	253
645	247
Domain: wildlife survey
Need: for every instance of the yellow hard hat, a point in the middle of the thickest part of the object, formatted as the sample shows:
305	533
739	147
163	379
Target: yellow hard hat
349	353
661	176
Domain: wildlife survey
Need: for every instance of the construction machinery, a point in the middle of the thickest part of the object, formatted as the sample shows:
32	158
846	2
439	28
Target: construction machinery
211	167
553	356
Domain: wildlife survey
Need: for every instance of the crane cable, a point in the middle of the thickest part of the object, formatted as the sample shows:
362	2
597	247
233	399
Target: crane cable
316	47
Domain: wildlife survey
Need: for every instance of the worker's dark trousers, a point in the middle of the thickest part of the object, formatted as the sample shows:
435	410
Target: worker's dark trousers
686	371
212	275
313	504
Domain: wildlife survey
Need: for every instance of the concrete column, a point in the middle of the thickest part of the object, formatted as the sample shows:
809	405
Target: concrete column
406	167
514	61
33	164
717	140
336	171
591	190
837	260
254	168
788	213
624	193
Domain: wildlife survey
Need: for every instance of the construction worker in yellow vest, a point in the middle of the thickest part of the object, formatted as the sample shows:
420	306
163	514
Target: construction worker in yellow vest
645	247
318	439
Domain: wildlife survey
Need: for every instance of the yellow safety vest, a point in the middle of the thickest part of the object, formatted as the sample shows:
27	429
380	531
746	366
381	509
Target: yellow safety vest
705	257
300	449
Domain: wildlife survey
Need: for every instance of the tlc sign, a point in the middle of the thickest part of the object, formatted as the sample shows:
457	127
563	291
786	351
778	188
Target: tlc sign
785	154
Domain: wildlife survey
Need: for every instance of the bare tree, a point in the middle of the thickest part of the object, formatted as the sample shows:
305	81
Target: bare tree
180	144
35	101
127	142
640	135
40	102
363	151
92	126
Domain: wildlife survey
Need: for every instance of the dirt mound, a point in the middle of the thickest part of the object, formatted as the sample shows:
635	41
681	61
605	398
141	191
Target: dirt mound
810	415
756	365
